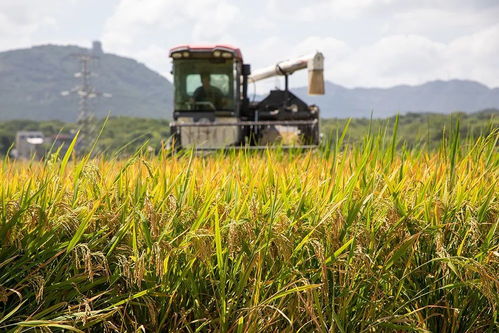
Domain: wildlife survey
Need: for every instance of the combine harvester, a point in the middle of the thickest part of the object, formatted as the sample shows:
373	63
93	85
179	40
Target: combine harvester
212	110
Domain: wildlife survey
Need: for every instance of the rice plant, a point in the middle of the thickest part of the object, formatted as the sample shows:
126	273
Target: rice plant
366	238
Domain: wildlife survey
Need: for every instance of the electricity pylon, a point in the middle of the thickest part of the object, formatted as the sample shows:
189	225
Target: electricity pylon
86	92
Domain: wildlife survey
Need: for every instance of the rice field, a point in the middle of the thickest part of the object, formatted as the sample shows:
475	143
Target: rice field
374	237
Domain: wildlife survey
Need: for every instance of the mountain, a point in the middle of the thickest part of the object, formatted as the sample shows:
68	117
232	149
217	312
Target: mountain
31	82
435	96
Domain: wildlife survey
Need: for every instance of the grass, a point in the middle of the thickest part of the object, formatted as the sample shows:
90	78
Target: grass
365	238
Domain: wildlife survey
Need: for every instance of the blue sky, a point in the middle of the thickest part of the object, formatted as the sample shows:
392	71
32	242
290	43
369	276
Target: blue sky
368	43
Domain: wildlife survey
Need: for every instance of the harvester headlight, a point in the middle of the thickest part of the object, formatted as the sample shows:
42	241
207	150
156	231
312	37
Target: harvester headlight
185	54
217	53
226	55
177	55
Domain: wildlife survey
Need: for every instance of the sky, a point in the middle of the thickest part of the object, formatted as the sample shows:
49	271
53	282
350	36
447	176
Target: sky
366	43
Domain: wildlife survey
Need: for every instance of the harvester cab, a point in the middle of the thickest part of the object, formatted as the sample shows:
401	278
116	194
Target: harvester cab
212	109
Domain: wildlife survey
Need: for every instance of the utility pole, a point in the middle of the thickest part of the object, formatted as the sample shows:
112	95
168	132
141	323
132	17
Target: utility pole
86	92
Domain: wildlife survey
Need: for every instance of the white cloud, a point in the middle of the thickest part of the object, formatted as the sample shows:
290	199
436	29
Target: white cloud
400	16
442	23
197	20
214	21
475	56
145	30
320	9
398	58
411	59
19	19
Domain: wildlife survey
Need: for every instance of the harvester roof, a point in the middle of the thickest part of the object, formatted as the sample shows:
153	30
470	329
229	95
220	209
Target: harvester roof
236	52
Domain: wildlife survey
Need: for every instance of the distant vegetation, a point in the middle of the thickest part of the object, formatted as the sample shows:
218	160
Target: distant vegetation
414	129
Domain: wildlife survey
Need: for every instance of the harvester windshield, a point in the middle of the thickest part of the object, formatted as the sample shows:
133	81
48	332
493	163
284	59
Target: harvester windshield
204	84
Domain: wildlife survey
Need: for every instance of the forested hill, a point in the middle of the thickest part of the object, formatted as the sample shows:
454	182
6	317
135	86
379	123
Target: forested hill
31	82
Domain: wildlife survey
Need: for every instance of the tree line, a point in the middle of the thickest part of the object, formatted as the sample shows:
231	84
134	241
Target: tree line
127	134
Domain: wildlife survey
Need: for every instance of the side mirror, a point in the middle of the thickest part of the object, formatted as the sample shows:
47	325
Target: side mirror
246	70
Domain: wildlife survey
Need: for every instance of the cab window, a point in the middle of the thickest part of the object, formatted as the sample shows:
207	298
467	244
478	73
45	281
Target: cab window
221	81
192	94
